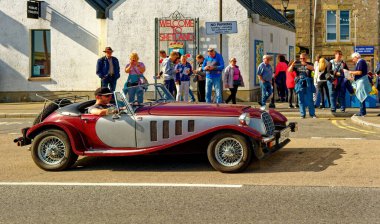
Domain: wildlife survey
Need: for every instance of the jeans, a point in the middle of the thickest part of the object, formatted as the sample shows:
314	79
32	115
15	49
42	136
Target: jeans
216	83
233	95
324	91
191	94
110	83
266	91
170	85
133	92
337	93
305	99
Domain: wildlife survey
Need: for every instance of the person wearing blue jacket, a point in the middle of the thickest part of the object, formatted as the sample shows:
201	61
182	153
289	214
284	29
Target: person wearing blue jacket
304	85
182	79
108	69
213	65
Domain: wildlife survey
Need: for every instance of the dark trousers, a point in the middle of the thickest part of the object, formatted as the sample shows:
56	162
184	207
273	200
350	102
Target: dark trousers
363	110
281	85
170	85
324	91
233	95
110	83
201	90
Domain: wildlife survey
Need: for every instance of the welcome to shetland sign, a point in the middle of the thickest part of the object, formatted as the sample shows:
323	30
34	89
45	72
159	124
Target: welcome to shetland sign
226	27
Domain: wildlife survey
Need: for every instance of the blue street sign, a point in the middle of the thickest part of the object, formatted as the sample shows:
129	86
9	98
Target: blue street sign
365	49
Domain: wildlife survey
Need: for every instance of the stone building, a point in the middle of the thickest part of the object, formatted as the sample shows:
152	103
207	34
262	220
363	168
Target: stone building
338	25
57	51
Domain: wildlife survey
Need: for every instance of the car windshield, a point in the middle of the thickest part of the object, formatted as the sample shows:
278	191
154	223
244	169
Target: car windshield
137	96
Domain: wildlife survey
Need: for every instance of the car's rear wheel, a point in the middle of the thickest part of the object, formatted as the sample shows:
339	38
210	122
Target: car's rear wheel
229	152
51	151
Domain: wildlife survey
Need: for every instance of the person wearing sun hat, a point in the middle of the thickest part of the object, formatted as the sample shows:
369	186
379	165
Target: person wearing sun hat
108	69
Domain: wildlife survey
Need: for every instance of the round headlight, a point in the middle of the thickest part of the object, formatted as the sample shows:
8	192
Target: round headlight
244	119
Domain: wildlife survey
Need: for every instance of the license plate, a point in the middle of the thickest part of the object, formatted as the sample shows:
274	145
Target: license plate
284	135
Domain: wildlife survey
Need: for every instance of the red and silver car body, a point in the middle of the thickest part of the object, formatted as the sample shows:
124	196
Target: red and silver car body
158	125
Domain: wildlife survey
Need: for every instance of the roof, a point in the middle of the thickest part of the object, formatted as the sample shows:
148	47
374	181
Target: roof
100	6
264	9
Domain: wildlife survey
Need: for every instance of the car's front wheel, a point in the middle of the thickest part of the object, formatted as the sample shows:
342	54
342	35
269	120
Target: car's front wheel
229	152
51	151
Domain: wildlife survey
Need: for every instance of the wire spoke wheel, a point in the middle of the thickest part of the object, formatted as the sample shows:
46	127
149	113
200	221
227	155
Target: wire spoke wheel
51	150
229	152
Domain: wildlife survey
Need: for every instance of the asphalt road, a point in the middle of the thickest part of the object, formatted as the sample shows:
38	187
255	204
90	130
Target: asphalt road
329	173
248	204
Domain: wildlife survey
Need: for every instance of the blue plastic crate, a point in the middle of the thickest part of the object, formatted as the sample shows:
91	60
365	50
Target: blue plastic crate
370	102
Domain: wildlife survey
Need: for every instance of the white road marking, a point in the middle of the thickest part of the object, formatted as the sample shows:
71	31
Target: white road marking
119	184
10	123
338	138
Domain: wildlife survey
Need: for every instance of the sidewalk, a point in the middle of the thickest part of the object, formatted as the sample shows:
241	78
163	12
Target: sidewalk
31	110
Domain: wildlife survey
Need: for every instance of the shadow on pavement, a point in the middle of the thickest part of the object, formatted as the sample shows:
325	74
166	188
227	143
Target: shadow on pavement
159	163
287	160
298	160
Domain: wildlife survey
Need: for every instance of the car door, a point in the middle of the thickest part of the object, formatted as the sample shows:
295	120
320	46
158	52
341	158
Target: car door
114	130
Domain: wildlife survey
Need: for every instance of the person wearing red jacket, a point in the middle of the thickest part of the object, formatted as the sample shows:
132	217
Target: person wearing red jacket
290	84
280	78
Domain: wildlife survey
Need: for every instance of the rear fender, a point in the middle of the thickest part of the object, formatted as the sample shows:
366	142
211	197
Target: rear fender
75	137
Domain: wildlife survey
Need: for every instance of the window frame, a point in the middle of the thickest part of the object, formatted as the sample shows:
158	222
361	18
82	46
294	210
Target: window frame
338	26
349	26
32	57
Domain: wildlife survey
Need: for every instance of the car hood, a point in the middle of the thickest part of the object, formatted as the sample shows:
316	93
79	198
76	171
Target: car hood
202	109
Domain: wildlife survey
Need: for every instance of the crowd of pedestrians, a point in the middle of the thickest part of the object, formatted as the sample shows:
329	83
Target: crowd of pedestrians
320	85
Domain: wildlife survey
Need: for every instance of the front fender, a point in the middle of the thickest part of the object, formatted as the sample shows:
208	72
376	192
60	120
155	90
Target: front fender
74	135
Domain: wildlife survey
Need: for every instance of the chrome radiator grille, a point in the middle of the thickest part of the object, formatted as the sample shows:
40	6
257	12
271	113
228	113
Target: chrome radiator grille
268	122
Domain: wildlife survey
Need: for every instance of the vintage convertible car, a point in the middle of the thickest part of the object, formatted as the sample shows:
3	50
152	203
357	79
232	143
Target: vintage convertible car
230	134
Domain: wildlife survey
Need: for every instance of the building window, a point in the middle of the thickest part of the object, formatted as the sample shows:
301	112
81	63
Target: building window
344	25
338	25
41	53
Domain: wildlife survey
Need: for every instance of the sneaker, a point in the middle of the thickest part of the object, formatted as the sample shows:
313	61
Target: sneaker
297	106
333	111
314	117
262	108
302	117
272	105
343	110
291	106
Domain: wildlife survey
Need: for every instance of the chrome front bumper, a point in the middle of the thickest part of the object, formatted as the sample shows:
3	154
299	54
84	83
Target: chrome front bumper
279	138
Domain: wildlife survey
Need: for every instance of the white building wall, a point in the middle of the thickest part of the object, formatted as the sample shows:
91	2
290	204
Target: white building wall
131	28
74	46
262	31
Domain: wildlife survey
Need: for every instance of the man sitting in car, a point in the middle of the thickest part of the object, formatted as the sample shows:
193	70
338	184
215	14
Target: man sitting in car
102	106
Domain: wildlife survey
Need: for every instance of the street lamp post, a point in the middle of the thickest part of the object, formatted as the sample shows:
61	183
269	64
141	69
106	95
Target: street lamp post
285	4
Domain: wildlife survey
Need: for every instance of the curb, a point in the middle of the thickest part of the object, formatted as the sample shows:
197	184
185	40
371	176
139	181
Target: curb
359	121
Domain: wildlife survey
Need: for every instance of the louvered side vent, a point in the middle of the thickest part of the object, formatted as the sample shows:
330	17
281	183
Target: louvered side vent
165	129
178	127
153	130
190	126
268	122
